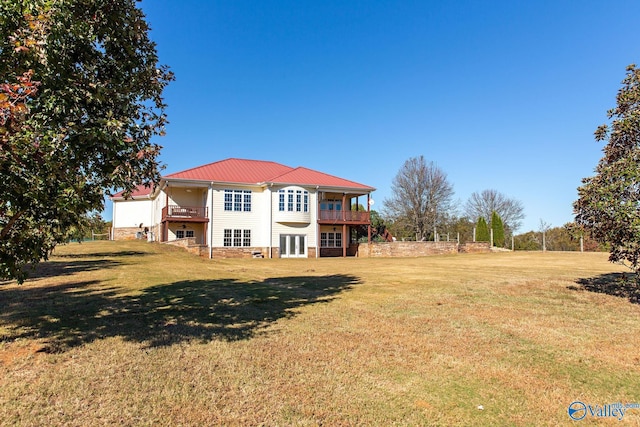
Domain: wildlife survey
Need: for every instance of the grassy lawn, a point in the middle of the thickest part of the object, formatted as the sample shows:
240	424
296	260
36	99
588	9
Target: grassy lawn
130	333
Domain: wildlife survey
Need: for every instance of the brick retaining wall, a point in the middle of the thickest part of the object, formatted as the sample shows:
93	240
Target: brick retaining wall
406	249
475	247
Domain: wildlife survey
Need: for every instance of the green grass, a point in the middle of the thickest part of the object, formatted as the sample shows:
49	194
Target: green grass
131	333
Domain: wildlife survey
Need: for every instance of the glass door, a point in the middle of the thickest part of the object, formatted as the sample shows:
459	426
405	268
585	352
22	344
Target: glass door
292	246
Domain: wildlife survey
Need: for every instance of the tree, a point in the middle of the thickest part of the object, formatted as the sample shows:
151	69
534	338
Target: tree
482	230
421	196
486	202
462	227
89	223
80	100
608	203
498	230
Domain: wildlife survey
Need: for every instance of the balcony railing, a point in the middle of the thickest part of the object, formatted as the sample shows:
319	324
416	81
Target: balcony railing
346	216
175	211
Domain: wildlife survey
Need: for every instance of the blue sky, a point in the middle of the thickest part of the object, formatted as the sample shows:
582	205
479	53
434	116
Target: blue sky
499	94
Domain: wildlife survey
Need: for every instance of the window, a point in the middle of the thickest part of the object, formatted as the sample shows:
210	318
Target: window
290	200
330	240
228	200
181	234
299	203
330	205
236	237
247	201
237	200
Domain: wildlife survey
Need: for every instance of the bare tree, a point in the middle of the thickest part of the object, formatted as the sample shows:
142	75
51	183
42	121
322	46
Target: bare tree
422	196
483	204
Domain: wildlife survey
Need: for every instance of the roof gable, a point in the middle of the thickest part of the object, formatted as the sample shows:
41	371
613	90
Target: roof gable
305	176
138	192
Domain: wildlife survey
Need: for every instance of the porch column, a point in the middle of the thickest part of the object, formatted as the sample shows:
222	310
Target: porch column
344	240
369	212
344	206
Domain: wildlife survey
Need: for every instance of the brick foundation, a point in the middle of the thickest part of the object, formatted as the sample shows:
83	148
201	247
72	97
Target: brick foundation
233	252
127	233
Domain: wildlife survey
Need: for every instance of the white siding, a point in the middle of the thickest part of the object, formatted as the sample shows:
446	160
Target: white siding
255	220
131	213
308	229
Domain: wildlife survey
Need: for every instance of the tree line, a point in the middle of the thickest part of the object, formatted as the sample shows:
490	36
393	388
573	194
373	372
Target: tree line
422	207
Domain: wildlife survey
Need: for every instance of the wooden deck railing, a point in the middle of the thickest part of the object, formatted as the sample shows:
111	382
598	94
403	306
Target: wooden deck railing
175	211
346	216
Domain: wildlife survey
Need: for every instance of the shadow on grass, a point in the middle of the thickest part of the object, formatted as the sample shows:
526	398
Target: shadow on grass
114	254
76	313
66	268
623	285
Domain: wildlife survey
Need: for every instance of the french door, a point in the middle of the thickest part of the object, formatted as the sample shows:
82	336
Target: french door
293	246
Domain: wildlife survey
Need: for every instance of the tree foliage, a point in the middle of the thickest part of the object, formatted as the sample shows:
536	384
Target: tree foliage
422	196
483	204
498	230
565	238
608	204
80	99
482	230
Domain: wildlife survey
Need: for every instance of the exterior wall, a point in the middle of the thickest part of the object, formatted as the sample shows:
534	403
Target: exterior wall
132	213
130	217
406	249
127	233
292	223
244	252
352	249
252	220
156	215
198	231
186	196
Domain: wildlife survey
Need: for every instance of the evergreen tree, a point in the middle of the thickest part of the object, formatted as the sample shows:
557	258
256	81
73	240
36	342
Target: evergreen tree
482	230
498	230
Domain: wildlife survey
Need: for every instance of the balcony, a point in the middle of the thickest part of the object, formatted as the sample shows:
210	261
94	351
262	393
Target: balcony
344	217
185	213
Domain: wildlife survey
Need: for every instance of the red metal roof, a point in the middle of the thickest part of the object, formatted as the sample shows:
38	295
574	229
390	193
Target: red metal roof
305	176
233	170
139	191
244	171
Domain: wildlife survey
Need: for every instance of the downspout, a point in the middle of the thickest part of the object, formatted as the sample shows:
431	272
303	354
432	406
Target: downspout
317	223
344	224
153	218
270	220
113	220
211	221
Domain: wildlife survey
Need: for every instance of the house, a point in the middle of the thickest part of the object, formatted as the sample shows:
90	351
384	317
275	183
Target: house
244	208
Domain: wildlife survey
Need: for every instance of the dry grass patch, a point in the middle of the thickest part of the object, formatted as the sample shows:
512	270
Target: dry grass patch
140	334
